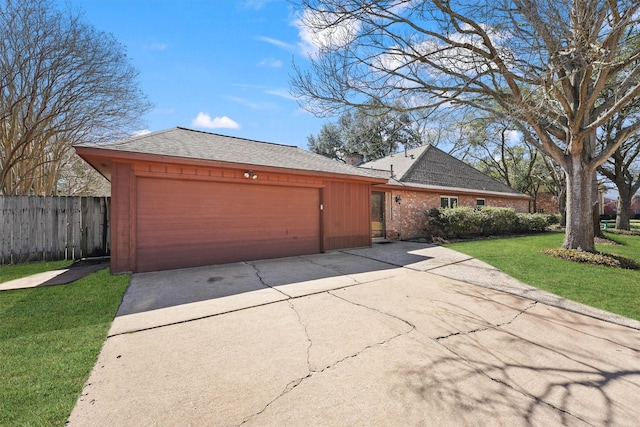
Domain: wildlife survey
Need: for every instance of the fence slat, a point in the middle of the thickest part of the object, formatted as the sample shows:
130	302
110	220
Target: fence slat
35	228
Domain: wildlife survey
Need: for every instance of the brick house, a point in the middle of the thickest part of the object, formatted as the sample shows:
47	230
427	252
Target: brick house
547	203
610	206
186	198
426	177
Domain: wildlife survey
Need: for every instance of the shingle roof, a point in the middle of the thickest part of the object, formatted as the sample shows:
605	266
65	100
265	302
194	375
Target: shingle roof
193	144
430	166
399	163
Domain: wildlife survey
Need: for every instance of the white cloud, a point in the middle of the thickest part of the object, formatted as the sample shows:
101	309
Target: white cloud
255	4
276	42
205	121
248	103
325	30
282	93
271	62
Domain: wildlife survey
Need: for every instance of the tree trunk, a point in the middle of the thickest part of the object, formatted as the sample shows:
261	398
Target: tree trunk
623	208
595	209
579	232
562	204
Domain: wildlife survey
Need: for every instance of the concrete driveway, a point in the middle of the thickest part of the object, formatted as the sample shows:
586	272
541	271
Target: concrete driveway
394	335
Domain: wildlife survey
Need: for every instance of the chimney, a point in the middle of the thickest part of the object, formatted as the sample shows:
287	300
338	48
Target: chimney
354	159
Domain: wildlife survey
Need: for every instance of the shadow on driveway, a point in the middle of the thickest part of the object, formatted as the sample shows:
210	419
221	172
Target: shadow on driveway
170	288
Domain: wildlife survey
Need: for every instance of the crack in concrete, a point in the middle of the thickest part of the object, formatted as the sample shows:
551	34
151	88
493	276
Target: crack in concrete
296	382
411	325
498	380
493	327
436	267
329	266
257	270
535	399
306	332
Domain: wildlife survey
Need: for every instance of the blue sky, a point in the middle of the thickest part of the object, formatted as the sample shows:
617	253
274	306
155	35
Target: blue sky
221	66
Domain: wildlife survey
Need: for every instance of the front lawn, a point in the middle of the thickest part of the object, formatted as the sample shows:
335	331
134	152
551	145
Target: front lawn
611	289
50	338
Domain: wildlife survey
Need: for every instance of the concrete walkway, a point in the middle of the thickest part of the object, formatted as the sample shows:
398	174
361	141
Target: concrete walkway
394	335
77	270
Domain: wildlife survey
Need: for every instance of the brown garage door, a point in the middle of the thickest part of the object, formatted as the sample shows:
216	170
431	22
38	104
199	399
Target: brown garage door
192	223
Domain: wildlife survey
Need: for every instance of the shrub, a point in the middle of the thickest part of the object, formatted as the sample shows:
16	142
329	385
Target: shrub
497	221
465	222
531	223
553	219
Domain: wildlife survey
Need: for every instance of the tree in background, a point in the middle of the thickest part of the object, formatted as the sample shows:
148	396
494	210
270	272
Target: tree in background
372	133
623	167
62	82
542	64
330	142
495	148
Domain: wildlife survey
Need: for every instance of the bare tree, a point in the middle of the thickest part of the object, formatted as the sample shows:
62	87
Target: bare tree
622	168
62	82
494	147
542	64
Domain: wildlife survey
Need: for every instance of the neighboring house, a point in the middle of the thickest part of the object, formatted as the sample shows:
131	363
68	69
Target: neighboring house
184	198
610	206
547	203
426	177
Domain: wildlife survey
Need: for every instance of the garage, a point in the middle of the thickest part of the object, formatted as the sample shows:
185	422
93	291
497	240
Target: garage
185	198
211	223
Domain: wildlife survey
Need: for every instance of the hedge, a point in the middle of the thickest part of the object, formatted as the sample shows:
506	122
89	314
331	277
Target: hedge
465	222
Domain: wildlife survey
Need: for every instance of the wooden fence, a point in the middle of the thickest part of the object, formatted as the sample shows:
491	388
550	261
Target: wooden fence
34	228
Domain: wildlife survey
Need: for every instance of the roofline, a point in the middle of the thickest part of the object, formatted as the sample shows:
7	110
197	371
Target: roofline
415	161
159	132
233	137
119	155
431	188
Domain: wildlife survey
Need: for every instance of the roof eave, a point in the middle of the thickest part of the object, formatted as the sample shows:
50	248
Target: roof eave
443	189
91	153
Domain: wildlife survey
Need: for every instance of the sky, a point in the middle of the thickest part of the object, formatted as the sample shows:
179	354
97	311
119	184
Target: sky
220	66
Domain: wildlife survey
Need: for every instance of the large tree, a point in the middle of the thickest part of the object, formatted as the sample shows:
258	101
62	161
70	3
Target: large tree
542	64
62	82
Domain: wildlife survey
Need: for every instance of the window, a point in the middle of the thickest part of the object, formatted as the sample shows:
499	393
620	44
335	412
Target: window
479	203
448	202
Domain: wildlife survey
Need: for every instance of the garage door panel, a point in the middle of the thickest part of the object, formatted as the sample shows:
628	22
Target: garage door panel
188	223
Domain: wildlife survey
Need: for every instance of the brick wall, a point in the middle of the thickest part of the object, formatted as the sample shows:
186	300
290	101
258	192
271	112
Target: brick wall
547	203
406	219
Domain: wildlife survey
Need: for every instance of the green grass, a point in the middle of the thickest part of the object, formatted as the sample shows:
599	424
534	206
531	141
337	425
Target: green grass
16	271
50	338
611	289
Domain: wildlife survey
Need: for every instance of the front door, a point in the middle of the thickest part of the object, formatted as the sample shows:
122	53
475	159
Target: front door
377	214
